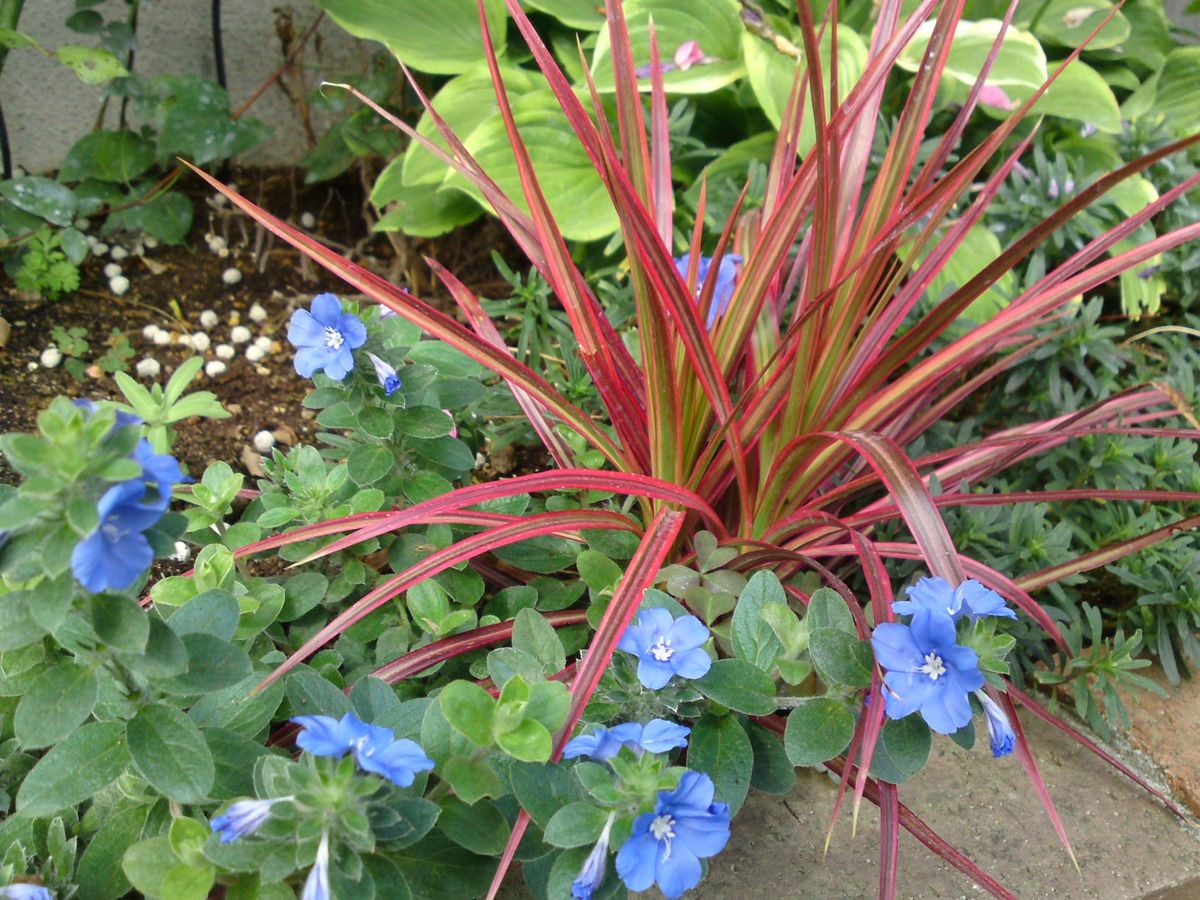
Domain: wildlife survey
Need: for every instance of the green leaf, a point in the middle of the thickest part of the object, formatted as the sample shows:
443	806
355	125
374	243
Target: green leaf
120	622
91	65
55	705
739	685
841	658
469	709
532	634
168	217
376	422
480	828
471	778
715	24
438	36
528	742
171	753
575	825
237	709
549	702
100	876
214	612
108	156
436	868
720	747
1069	22
368	463
1021	61
753	638
213	664
773	771
17	626
423	422
577	196
184	882
1176	85
902	749
818	729
827	609
42	197
234	758
147	862
427	210
542	790
310	694
75	769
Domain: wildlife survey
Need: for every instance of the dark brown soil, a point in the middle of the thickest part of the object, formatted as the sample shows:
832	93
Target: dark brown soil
172	286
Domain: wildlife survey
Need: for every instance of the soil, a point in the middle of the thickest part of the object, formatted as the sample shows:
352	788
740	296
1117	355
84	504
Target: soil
171	286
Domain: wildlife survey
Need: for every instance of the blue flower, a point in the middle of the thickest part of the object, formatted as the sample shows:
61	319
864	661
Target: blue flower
124	419
927	670
116	553
666	647
388	379
160	469
656	736
25	892
968	599
1001	735
591	874
666	846
722	290
375	748
316	885
325	337
243	818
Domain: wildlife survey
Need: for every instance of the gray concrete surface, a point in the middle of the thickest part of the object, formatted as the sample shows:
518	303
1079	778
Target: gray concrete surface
47	109
1127	845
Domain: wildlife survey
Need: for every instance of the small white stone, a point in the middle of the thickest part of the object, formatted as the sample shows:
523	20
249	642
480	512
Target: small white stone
231	276
216	244
209	319
149	243
92	241
254	354
184	340
82	224
51	357
99	248
119	284
112	270
118	252
220	199
308	220
257	313
214	367
162	338
239	334
225	351
263	343
148	367
31	366
264	441
150	331
182	552
200	341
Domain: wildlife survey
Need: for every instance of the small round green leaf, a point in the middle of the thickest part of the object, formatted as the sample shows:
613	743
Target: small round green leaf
55	705
818	729
171	753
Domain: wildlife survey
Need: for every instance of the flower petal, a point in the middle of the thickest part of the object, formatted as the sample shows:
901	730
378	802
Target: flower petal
679	872
687	633
692	664
637	857
304	330
895	647
654	674
327	310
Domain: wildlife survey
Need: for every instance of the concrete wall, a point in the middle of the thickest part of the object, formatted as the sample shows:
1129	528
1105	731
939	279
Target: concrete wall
47	109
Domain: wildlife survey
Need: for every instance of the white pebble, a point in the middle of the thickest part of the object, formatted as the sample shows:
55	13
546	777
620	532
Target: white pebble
185	340
99	248
82	224
240	334
112	270
51	357
220	199
225	351
200	341
231	276
150	331
214	367
118	284
257	313
216	244
264	441
254	354
263	343
209	319
119	252
162	338
148	367
182	552
92	241
150	243
308	220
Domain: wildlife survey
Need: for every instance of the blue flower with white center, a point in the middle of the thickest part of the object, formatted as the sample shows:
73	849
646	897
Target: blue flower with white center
25	892
316	885
388	379
927	670
116	553
666	846
1001	735
375	748
969	599
656	736
665	647
722	290
592	873
325	338
243	818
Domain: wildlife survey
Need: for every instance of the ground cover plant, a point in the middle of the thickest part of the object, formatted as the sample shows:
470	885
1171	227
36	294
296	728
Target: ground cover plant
705	569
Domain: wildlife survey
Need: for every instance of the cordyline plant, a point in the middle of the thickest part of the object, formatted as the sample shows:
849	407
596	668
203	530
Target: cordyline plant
779	429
